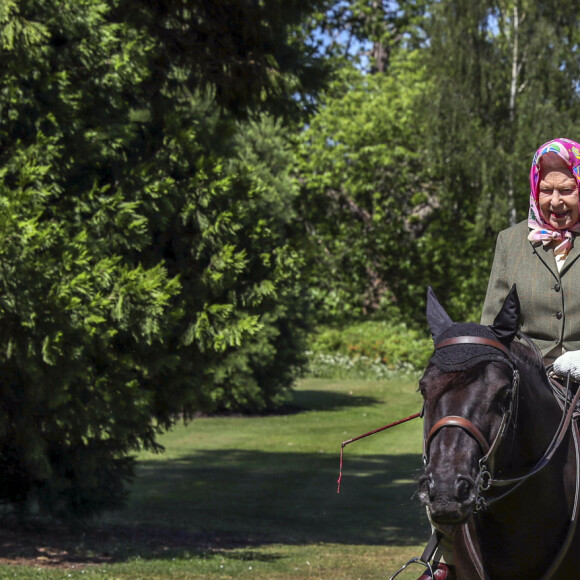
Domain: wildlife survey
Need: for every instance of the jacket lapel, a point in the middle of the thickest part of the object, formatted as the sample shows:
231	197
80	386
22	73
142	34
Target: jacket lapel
572	256
546	255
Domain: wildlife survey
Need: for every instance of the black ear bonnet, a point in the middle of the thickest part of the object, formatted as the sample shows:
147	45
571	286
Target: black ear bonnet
461	357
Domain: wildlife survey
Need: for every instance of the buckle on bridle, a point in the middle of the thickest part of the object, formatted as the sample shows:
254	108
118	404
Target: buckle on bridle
480	504
484	479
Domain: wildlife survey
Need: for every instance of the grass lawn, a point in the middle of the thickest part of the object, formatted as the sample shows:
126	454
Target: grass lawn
255	497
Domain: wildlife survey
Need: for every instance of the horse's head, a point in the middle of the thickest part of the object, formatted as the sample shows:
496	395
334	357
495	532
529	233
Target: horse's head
467	390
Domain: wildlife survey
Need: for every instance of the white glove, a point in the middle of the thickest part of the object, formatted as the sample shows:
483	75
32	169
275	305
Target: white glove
569	362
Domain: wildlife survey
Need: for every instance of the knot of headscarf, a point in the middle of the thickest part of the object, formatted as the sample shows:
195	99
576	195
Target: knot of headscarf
542	231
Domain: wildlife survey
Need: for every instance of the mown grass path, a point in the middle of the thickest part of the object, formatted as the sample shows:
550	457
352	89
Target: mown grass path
255	497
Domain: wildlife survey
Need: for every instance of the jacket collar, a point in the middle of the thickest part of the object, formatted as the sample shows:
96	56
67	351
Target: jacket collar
546	254
573	255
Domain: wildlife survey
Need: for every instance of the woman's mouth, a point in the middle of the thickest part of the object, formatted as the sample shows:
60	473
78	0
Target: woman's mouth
559	214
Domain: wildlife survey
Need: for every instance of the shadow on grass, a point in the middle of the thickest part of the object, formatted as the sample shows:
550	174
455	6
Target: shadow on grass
234	498
312	400
219	500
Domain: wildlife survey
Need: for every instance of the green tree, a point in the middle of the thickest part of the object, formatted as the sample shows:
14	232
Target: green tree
365	197
145	267
369	31
504	77
408	175
248	55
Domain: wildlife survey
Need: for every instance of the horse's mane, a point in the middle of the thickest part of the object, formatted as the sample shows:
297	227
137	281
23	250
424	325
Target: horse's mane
528	356
531	362
446	380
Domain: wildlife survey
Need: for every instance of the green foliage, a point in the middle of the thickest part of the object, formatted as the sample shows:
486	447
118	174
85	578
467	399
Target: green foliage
146	272
497	91
248	55
502	90
408	175
368	32
364	195
370	350
232	251
166	241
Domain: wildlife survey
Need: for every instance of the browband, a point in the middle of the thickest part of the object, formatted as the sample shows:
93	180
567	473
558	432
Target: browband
475	340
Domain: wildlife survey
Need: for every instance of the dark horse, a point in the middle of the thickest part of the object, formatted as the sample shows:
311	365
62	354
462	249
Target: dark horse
501	468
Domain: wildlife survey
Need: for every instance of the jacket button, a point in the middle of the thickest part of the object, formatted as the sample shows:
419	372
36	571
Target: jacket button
557	287
558	315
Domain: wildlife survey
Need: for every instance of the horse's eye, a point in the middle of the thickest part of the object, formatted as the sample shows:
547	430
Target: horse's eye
502	397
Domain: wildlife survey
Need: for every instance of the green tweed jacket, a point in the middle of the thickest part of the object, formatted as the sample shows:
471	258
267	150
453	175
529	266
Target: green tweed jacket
550	300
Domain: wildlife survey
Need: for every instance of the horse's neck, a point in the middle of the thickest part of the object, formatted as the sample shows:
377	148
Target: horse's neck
511	529
535	419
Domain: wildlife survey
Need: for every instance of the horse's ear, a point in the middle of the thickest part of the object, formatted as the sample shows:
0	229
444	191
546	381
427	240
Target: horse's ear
505	325
437	318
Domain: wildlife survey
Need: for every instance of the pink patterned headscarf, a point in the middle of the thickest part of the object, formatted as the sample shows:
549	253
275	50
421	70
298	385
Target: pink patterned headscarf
542	231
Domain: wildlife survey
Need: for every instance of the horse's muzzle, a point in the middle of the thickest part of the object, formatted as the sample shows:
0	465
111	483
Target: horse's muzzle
449	497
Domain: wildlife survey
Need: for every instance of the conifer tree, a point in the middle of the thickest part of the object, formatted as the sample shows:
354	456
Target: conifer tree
145	267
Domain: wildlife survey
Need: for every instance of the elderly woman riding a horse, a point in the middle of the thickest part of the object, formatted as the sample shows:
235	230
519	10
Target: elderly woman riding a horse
502	472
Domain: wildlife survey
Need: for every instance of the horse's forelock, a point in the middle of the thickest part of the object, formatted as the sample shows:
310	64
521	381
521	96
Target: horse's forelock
440	381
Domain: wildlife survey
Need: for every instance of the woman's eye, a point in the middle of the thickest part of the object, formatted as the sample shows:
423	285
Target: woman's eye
566	191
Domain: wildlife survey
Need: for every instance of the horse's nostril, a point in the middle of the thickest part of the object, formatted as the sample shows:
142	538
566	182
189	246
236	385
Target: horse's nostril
463	489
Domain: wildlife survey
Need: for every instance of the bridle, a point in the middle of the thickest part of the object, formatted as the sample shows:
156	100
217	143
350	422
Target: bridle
484	479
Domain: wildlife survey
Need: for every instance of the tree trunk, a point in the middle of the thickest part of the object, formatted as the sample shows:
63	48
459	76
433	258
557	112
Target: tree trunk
512	114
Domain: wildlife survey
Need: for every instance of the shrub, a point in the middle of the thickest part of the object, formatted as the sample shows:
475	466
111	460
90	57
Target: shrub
372	349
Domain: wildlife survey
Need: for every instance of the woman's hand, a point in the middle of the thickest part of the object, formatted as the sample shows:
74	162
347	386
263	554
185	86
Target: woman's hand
569	362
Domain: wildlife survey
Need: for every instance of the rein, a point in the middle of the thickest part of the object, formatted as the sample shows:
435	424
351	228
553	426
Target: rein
345	443
548	454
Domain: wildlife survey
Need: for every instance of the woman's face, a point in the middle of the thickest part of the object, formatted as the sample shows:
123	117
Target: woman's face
558	197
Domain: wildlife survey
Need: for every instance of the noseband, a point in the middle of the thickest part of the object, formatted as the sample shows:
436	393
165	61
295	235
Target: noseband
487	448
